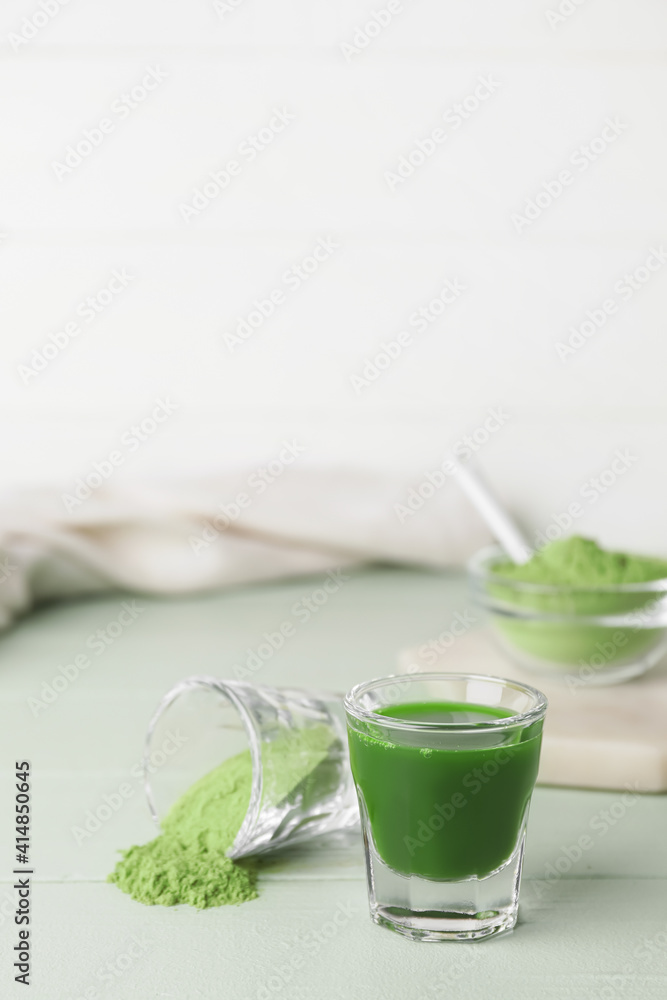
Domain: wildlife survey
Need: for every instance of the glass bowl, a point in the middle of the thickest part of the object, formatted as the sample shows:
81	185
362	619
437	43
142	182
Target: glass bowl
602	635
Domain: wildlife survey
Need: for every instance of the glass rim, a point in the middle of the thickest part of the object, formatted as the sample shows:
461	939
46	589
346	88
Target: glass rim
357	711
480	568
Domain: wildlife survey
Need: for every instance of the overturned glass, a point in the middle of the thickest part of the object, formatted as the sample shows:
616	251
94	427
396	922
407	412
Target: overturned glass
301	780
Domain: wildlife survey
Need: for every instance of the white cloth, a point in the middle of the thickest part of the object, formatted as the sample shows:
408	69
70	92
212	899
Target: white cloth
173	538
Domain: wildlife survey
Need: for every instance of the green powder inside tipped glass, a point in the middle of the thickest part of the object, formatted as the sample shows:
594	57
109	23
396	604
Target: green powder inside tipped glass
187	863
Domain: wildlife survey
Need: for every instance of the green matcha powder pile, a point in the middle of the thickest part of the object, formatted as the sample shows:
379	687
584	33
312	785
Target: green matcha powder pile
580	562
187	862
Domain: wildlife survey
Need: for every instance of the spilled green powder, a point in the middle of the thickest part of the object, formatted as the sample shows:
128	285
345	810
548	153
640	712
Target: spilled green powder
187	862
580	562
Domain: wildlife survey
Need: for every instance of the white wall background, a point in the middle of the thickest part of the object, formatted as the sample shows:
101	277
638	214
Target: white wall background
227	69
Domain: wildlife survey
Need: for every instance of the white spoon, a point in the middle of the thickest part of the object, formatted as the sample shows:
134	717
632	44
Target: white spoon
493	513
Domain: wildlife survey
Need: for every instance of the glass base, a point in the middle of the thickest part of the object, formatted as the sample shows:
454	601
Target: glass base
439	925
424	909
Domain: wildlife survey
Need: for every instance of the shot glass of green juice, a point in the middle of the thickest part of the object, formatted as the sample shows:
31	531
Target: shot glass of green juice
444	767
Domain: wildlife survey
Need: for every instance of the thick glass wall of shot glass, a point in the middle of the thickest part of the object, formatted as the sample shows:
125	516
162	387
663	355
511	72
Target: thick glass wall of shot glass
444	766
296	741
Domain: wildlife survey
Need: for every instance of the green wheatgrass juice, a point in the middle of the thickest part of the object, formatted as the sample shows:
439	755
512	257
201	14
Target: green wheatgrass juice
444	805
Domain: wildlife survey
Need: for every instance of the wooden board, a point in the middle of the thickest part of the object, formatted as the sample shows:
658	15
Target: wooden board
594	737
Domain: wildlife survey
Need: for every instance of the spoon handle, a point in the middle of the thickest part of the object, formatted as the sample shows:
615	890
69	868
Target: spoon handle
493	513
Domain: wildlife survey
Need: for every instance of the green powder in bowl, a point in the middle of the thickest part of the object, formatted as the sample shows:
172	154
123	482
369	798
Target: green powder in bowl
576	608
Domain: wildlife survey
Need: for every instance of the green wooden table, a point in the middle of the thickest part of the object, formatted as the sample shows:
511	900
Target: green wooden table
590	927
